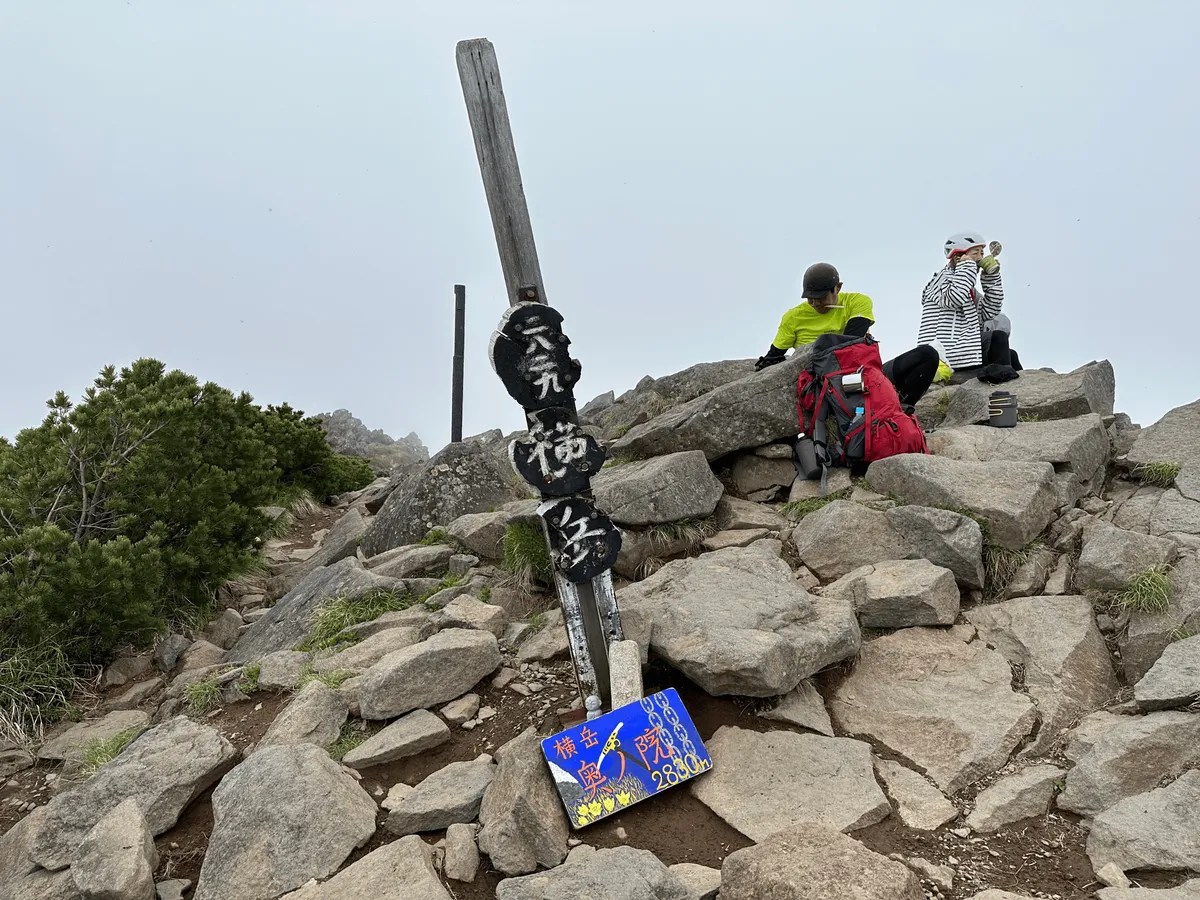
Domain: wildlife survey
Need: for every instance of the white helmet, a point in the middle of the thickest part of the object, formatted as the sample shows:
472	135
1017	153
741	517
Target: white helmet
962	242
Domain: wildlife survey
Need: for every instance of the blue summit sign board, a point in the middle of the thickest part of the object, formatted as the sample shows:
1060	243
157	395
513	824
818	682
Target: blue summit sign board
606	765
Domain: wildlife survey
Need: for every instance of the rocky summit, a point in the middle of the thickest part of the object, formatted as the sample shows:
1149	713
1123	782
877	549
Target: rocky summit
967	675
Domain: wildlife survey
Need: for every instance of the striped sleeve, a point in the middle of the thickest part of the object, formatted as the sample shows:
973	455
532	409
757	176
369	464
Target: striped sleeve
993	294
951	288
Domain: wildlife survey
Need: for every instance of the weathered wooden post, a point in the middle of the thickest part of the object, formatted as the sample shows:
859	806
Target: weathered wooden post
456	384
529	351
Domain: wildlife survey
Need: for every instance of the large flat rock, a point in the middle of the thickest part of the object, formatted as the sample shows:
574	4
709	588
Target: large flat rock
1189	890
450	795
483	533
1155	830
71	743
1174	680
1014	797
289	621
614	416
1149	634
899	594
411	561
736	622
1041	393
1016	499
467	477
622	873
523	822
285	815
1130	758
164	770
1068	670
944	538
1078	445
314	716
1175	438
753	410
660	490
919	804
414	733
809	862
401	870
947	706
432	672
761	783
1111	557
118	858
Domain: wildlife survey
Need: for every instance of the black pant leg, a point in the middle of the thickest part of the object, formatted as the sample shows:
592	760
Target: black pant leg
995	349
912	372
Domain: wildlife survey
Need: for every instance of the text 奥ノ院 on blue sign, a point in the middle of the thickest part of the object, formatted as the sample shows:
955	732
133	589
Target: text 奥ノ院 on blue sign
606	765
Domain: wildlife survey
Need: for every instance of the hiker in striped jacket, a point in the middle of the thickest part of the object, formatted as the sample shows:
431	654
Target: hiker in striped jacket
961	311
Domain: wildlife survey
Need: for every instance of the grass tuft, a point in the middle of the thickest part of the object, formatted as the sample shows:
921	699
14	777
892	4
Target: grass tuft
800	508
349	738
1183	633
537	621
485	595
1000	565
1158	474
1148	592
36	685
248	683
98	752
331	680
203	696
299	502
526	555
437	536
942	406
342	612
649	566
690	531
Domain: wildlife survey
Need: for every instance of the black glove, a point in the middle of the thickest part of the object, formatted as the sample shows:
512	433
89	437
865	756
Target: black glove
774	355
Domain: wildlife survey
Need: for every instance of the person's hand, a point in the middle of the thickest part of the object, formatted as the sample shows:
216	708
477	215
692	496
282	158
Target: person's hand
764	361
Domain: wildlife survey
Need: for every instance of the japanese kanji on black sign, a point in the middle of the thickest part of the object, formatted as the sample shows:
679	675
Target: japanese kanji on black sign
531	355
560	459
583	542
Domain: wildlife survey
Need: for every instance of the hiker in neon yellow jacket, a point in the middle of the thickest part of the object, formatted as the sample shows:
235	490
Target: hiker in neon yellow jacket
827	309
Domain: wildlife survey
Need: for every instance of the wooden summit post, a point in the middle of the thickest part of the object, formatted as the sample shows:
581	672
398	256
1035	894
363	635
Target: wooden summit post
529	351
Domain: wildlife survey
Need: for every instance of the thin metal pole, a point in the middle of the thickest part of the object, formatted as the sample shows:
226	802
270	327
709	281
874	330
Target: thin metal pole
456	389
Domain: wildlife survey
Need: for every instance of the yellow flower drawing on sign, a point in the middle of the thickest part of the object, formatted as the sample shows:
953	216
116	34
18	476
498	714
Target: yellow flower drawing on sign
609	804
594	808
624	798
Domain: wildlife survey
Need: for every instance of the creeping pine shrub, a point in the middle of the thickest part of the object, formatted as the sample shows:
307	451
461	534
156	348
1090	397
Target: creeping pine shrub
1158	474
1149	591
127	509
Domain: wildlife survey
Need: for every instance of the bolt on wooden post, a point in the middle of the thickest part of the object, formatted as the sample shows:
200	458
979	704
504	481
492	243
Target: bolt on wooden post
530	353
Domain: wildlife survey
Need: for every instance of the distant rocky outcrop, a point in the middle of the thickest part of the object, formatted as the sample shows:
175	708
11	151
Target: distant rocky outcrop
347	434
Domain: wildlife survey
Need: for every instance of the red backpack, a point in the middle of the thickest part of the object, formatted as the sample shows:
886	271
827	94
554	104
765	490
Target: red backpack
846	374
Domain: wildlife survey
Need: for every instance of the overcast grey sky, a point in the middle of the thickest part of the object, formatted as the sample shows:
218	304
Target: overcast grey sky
279	196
